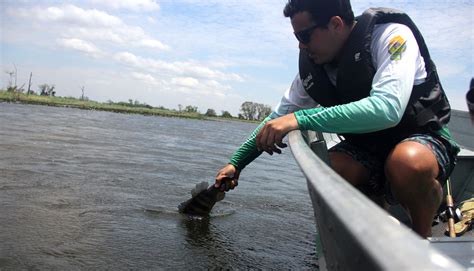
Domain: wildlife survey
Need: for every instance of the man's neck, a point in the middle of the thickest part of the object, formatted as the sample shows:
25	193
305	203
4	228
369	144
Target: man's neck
348	32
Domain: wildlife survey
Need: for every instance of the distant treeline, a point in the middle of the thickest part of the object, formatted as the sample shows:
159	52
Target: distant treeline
250	111
46	95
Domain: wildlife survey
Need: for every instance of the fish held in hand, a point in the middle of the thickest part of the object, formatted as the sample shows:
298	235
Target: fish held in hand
204	197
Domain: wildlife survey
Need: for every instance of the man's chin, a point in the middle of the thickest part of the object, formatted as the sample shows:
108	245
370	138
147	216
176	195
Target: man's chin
322	61
318	61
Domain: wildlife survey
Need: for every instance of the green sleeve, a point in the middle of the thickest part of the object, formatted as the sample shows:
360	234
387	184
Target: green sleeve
247	152
363	116
366	115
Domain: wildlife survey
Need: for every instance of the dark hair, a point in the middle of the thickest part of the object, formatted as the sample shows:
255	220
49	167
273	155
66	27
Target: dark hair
321	10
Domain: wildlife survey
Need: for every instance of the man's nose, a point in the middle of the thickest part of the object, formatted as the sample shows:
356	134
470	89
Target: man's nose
302	45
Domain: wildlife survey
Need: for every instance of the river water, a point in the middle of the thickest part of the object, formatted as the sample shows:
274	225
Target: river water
97	190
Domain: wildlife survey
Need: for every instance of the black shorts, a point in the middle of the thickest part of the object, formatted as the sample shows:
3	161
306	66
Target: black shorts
374	162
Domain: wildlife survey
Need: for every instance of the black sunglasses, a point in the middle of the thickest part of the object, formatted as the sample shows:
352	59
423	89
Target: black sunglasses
304	36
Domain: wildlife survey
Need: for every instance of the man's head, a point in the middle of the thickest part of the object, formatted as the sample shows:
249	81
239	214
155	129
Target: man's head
321	26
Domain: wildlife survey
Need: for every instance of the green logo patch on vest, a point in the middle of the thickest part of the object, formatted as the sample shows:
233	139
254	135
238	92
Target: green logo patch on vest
396	47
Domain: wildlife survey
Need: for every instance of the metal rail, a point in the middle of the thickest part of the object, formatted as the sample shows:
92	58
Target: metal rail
355	233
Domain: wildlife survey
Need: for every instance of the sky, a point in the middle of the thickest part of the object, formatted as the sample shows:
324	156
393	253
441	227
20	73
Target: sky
210	54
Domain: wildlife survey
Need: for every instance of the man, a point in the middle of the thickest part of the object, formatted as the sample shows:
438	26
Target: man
371	80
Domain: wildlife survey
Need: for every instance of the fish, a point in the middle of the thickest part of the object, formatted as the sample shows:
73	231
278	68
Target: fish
204	197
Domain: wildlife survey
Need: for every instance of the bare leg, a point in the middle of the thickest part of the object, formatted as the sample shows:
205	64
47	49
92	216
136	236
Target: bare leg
354	172
349	169
411	169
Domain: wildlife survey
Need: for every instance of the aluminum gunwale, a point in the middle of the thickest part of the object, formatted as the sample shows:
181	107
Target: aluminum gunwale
355	233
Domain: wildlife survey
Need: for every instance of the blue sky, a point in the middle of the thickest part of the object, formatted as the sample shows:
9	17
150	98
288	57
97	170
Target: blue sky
211	54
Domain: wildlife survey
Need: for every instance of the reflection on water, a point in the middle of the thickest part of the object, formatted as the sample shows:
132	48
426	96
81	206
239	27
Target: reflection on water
98	190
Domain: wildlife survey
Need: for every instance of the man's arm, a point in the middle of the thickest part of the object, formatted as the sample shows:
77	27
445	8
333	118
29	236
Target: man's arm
295	98
247	152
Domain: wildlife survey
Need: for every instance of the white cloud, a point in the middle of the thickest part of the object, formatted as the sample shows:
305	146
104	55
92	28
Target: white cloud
148	78
73	22
99	34
128	58
151	20
176	68
177	76
199	88
80	45
134	5
185	82
153	44
68	14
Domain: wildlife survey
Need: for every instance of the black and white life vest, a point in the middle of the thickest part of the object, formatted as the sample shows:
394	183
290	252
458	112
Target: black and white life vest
428	107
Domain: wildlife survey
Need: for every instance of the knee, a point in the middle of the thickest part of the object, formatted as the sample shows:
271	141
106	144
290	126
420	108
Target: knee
410	162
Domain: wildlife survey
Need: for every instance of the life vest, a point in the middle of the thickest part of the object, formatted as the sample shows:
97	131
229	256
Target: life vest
428	107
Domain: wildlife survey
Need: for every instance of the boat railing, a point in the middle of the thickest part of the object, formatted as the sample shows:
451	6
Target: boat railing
354	232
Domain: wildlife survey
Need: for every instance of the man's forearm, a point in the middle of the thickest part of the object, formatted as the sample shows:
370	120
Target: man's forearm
366	115
247	152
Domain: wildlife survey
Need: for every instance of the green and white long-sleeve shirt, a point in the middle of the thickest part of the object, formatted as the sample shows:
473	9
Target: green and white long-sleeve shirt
391	90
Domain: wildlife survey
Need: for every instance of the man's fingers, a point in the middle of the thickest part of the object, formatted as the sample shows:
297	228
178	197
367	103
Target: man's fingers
279	143
282	145
230	184
270	140
226	183
224	186
269	152
220	180
262	138
266	139
258	139
237	175
225	176
279	138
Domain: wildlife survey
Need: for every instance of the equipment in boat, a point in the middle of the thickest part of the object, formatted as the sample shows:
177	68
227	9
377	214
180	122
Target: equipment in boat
464	218
450	210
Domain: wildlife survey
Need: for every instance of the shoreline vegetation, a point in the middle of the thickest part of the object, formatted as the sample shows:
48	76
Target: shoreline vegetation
117	107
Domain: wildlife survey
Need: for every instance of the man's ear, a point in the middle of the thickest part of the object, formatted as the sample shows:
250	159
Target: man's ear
336	23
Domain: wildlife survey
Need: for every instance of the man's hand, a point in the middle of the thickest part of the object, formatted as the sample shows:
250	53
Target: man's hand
273	132
227	178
